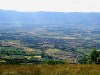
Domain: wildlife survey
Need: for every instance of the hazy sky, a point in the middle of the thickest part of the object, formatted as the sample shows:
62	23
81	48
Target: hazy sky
51	5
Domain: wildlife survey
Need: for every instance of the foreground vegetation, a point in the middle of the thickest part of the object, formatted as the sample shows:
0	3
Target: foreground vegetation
44	69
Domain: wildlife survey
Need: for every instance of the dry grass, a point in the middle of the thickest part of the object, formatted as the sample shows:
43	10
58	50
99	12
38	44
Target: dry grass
65	69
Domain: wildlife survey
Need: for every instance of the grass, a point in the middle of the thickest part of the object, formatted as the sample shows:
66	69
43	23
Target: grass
53	50
61	69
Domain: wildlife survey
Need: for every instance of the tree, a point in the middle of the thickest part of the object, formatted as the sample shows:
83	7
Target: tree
94	56
82	60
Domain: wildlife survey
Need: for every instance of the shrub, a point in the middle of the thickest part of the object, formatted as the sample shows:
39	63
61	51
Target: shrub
54	62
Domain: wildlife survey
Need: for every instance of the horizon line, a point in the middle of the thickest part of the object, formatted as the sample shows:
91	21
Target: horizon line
54	11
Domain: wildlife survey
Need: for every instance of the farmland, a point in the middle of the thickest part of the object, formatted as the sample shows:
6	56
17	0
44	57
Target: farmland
47	43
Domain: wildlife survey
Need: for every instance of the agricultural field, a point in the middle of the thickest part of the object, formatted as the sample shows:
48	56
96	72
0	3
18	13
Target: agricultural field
40	44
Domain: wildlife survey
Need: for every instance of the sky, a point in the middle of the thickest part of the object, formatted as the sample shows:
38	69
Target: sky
51	5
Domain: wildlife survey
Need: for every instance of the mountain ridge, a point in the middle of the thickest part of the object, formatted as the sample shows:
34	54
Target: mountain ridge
41	17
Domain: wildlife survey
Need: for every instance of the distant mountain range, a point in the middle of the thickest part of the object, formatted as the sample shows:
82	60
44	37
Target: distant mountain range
49	17
79	18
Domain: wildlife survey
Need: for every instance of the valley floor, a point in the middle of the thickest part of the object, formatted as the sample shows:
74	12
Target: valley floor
44	69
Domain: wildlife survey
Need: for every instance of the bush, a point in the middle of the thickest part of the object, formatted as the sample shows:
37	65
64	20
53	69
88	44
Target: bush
54	62
94	56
